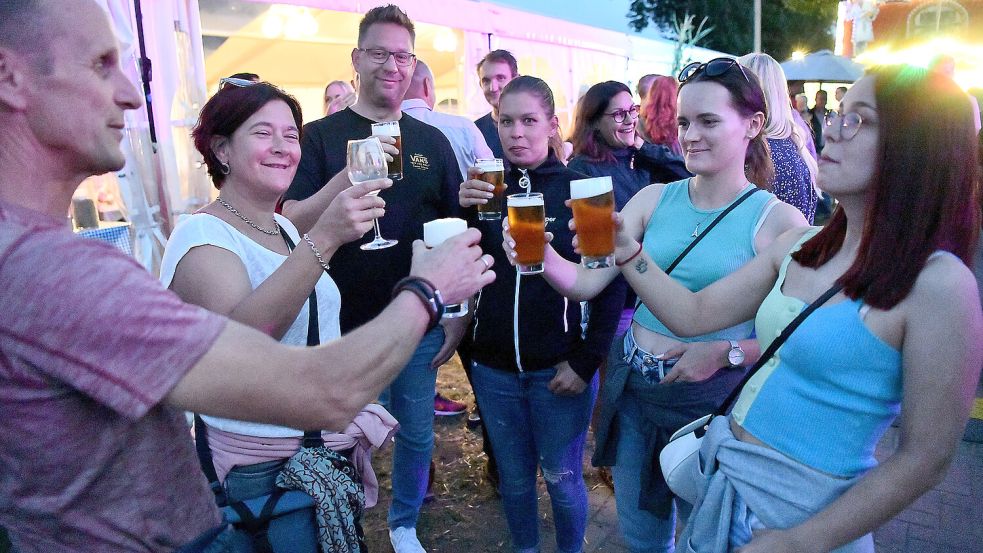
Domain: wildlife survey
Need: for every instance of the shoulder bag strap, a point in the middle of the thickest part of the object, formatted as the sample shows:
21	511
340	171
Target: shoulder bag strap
312	438
777	343
696	240
716	220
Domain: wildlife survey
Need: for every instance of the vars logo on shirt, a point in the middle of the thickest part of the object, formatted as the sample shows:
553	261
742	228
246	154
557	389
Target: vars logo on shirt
420	161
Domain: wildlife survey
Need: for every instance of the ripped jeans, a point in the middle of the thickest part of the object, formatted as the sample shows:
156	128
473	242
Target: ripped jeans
531	427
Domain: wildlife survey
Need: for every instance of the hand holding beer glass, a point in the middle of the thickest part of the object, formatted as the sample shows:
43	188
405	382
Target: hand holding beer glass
592	201
492	172
391	129
527	225
367	161
434	234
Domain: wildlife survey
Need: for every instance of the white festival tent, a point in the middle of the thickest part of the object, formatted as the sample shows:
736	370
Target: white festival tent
192	43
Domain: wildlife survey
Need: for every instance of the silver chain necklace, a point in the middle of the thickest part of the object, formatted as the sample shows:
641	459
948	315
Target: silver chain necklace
234	211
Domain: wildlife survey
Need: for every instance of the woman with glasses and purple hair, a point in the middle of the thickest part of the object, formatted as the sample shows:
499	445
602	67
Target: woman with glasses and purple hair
658	381
606	143
792	467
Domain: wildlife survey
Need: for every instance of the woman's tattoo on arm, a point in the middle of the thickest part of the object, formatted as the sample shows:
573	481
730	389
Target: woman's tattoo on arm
641	266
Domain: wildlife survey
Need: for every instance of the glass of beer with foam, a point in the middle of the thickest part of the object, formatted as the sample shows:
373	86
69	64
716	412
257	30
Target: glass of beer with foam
527	223
391	128
593	203
493	172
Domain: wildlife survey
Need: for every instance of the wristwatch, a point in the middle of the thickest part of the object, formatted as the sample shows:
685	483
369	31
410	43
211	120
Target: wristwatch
736	355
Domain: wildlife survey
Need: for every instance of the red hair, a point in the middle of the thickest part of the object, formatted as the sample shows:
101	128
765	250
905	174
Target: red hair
925	195
659	113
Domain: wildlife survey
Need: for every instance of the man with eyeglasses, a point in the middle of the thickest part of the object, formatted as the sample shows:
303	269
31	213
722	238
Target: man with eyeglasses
495	70
384	62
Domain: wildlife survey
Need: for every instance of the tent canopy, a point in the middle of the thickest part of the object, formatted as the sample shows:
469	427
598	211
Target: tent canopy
823	66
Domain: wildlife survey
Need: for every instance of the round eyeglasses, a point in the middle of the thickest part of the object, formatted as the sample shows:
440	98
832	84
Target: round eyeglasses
381	56
847	123
619	115
713	68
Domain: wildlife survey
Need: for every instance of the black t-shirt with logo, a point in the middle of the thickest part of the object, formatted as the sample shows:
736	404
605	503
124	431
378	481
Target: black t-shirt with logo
427	191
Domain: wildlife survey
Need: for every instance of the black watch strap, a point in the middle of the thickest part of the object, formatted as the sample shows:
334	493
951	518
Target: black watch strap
428	293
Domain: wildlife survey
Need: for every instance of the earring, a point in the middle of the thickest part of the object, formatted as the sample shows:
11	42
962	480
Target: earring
224	167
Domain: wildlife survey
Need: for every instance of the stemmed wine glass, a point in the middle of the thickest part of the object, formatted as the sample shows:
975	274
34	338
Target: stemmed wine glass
367	161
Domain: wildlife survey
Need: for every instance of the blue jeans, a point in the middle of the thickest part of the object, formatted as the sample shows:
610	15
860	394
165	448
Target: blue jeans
643	531
410	400
530	426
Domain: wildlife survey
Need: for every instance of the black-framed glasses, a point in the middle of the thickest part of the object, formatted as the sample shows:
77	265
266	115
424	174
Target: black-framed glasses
235	81
713	68
619	115
848	124
381	56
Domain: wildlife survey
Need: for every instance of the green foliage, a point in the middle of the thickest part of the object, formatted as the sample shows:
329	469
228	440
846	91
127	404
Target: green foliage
786	25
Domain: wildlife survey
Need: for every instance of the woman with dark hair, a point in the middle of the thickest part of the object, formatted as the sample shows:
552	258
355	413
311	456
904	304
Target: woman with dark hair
606	143
237	257
534	366
657	381
792	467
659	114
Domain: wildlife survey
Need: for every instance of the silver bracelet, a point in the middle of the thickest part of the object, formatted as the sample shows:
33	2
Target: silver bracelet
317	254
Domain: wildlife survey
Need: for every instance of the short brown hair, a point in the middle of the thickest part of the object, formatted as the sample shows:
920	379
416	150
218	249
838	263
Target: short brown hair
227	110
500	56
390	13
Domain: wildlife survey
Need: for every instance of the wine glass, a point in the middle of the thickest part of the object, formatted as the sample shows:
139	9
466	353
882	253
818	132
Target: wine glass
367	161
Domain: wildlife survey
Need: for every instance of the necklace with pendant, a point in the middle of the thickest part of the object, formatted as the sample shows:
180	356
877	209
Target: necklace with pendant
696	231
234	211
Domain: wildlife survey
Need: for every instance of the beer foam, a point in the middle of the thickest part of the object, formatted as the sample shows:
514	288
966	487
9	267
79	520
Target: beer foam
437	231
588	188
386	128
487	165
522	200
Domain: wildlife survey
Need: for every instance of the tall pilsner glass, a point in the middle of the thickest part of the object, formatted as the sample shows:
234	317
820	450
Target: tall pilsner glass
367	161
434	234
493	172
391	128
593	204
527	223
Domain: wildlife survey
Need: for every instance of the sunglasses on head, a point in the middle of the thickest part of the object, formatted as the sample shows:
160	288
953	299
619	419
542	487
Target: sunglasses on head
235	81
713	68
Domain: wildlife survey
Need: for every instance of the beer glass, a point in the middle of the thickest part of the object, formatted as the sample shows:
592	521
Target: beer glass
434	234
367	161
391	128
494	174
593	203
527	223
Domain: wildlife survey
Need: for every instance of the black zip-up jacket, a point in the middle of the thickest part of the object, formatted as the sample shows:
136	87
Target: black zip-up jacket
549	325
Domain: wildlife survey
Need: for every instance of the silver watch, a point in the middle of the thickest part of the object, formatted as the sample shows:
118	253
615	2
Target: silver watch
736	355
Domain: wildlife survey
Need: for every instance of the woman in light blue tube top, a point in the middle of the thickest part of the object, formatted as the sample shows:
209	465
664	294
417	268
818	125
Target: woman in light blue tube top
792	467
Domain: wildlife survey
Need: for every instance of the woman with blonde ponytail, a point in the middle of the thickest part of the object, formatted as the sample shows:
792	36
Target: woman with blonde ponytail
795	167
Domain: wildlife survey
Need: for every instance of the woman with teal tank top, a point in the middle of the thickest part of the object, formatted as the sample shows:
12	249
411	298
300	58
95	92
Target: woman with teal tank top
792	467
658	381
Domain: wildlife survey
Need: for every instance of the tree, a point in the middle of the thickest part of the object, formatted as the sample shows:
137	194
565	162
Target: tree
786	25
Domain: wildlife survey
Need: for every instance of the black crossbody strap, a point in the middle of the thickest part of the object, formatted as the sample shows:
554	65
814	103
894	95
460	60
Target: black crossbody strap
312	438
716	220
777	343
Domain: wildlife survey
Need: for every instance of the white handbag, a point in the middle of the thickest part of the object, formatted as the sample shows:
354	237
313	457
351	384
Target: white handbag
680	458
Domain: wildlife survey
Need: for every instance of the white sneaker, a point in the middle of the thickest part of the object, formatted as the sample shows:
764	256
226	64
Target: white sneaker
404	540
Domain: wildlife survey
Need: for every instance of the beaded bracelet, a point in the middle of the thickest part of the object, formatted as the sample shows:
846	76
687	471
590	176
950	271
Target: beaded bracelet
317	254
427	293
632	256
